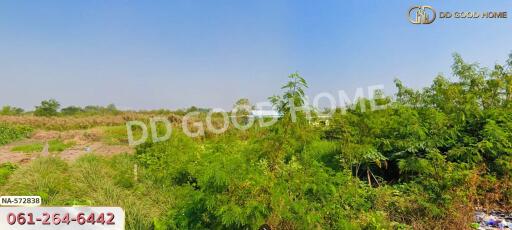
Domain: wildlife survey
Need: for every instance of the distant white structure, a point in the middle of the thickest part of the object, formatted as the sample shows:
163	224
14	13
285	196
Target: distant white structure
265	113
318	120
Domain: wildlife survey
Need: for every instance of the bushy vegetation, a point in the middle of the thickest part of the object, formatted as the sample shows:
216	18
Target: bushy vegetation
47	108
424	161
10	110
51	108
89	110
10	133
183	112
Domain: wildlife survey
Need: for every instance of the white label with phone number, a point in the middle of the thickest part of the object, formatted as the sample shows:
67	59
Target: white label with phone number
21	218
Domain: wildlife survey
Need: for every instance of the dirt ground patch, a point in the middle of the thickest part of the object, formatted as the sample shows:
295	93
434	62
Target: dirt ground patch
86	142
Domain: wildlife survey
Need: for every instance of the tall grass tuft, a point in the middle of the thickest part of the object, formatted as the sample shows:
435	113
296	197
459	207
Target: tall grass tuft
92	181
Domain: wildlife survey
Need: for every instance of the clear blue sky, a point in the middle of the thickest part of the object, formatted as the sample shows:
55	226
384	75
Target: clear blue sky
174	54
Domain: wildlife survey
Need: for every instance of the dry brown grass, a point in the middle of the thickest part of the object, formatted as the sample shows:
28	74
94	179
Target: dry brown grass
82	122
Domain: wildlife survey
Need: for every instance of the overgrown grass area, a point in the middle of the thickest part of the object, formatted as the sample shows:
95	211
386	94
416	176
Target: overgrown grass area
58	145
29	148
54	146
116	135
92	181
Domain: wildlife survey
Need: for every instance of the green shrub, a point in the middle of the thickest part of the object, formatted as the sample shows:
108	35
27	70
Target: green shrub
10	133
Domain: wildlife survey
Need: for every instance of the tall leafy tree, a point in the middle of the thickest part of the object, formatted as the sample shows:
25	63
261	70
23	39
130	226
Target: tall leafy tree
47	108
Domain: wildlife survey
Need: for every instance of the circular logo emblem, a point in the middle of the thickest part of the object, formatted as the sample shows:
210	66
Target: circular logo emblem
422	15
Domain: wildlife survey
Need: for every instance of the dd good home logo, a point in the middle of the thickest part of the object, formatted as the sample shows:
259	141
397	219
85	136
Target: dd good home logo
422	15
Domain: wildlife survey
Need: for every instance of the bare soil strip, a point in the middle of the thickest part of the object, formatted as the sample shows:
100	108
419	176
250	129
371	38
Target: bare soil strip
86	142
